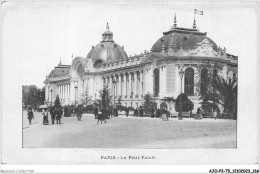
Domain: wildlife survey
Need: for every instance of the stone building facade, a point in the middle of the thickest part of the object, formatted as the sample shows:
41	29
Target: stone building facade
155	72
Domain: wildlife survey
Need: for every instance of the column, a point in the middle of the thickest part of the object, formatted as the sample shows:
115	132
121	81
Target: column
160	81
135	84
141	84
67	91
124	86
115	85
129	85
62	91
120	85
110	85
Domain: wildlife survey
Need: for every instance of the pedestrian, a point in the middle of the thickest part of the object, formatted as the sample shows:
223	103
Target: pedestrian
127	112
165	115
115	112
52	113
30	115
136	113
199	113
58	115
95	112
215	114
158	113
152	112
102	114
141	112
45	116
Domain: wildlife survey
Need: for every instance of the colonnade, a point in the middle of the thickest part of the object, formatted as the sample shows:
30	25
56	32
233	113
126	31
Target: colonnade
64	91
125	85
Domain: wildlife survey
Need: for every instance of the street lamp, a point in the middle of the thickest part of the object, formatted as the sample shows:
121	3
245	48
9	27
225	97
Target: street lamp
131	99
51	97
114	82
181	73
154	99
76	87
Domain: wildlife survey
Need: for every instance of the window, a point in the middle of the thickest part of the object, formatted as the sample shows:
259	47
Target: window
189	82
156	82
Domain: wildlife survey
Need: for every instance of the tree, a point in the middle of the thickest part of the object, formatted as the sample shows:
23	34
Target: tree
57	102
32	95
148	102
85	99
187	105
227	95
220	92
105	98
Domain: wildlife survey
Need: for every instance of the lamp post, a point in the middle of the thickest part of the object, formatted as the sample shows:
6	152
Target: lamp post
76	87
114	82
131	99
181	73
51	97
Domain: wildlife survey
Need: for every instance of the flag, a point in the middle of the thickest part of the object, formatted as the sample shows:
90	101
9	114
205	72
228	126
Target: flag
198	12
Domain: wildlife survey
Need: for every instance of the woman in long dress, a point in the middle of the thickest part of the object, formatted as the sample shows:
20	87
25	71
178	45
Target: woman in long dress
45	116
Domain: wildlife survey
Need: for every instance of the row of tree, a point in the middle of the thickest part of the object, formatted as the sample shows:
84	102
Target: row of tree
32	96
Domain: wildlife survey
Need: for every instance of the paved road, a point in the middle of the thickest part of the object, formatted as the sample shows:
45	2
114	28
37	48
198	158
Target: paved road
131	132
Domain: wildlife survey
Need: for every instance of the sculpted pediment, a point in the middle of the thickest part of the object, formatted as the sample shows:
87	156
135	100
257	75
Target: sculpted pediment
204	48
89	66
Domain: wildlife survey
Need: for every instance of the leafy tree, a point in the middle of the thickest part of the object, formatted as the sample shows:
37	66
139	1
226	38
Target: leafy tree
219	92
227	95
85	99
57	102
32	95
187	105
105	98
148	102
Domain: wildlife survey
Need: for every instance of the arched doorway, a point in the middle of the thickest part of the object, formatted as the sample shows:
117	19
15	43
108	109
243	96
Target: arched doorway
156	82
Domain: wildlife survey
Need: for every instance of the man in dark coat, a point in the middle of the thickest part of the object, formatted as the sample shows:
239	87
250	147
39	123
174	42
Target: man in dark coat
95	112
127	112
58	115
136	113
141	112
30	115
52	112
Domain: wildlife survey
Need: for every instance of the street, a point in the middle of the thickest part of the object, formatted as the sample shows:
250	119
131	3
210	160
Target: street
129	132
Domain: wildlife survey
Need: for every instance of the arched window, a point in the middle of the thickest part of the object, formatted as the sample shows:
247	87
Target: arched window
98	64
156	82
189	82
204	81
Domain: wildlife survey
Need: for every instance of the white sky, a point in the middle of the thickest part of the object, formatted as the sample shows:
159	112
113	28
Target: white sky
36	35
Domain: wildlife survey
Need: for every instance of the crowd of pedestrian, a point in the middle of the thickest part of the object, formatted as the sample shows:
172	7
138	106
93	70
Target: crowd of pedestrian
102	114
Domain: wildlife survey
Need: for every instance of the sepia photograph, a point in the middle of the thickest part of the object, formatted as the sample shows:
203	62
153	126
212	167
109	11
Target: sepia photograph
179	93
135	76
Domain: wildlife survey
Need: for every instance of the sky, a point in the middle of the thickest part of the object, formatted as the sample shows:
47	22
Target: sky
37	35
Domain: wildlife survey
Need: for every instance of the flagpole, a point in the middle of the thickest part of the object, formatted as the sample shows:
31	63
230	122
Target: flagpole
194	14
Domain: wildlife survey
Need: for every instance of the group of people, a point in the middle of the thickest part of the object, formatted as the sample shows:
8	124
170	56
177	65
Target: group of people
55	113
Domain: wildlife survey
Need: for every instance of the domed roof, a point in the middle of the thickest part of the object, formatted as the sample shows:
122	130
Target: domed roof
107	50
185	38
60	70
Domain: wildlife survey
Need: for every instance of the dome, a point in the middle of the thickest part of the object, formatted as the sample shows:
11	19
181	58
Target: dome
107	50
60	70
177	38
